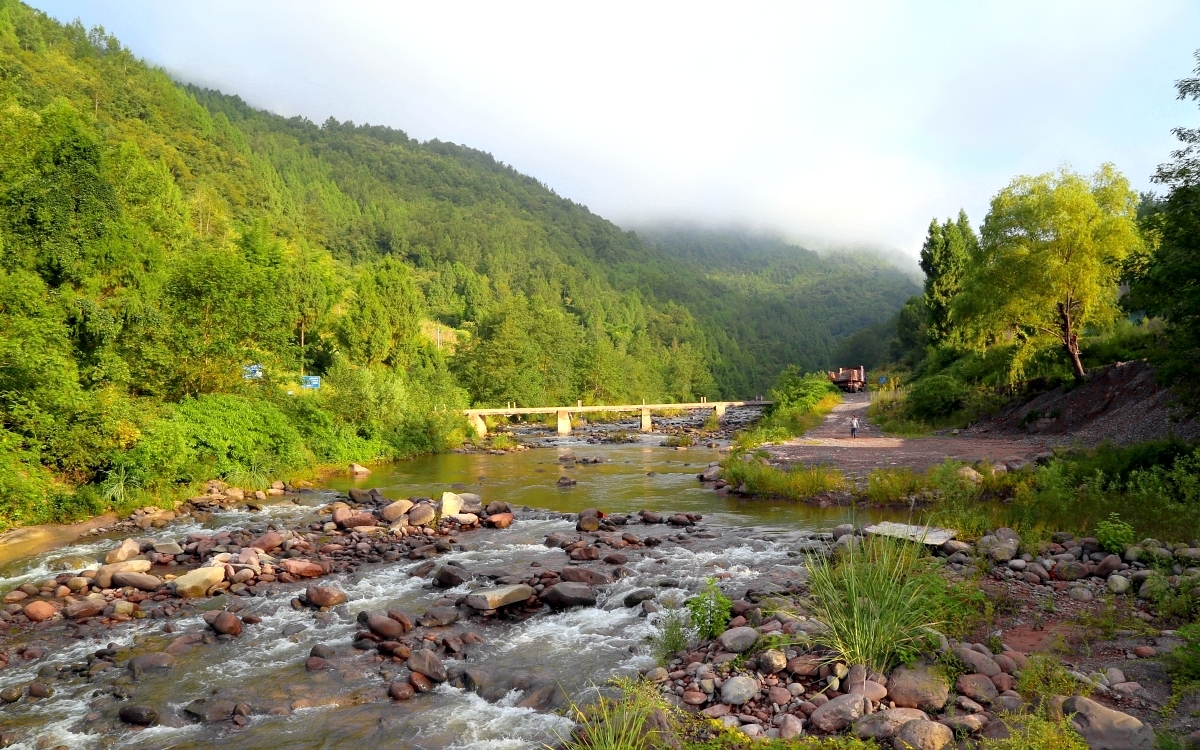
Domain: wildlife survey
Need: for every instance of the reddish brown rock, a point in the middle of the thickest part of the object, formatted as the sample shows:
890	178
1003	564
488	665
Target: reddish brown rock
227	623
385	627
324	596
38	611
696	698
85	608
401	691
420	682
267	541
301	568
500	520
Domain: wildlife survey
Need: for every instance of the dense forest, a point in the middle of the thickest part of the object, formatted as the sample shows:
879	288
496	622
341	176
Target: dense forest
172	261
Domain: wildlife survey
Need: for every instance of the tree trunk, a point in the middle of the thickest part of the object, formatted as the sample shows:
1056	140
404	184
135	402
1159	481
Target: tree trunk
1070	339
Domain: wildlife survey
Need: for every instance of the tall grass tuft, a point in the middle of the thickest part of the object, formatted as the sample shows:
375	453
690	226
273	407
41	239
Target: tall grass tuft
894	485
674	634
625	723
800	483
880	603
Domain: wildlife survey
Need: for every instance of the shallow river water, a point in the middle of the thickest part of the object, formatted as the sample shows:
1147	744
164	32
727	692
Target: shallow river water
569	650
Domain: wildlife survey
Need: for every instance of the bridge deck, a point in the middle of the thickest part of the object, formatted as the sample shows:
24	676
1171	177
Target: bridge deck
475	416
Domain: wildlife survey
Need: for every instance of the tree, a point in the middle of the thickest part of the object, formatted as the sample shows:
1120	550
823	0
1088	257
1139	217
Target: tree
1050	261
944	259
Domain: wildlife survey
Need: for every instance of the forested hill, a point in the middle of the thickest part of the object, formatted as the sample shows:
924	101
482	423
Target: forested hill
770	303
156	239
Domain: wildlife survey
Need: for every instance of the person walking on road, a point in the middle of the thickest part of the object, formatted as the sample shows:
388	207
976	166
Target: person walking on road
854	427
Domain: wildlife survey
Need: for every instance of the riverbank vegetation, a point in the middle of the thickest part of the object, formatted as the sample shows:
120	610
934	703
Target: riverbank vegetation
800	402
174	264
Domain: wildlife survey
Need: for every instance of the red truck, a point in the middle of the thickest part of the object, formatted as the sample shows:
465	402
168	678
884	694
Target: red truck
850	380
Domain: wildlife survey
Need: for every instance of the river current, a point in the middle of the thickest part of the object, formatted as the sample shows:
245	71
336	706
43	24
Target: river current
346	707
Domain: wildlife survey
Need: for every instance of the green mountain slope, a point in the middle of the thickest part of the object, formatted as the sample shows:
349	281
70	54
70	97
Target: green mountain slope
156	239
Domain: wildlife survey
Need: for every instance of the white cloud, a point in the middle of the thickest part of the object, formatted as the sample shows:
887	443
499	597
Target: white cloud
846	124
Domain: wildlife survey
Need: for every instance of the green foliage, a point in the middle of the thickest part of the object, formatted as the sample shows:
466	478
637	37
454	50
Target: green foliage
1036	732
1114	534
674	634
935	396
876	601
622	723
1183	662
799	402
797	483
1044	676
944	259
710	610
886	486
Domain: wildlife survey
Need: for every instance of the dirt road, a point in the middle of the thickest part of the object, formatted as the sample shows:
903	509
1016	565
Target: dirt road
830	443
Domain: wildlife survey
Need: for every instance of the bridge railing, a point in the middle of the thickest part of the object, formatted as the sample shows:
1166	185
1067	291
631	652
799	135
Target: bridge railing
475	416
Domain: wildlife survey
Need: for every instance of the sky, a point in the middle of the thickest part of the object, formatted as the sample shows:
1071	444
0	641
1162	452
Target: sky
831	124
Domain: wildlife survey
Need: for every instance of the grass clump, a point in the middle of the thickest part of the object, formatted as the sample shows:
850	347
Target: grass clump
710	610
885	486
680	441
800	483
1044	676
674	634
877	601
1036	732
637	720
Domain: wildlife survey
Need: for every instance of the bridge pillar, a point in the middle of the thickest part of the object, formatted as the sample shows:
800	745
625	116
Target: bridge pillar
720	409
647	423
478	423
564	423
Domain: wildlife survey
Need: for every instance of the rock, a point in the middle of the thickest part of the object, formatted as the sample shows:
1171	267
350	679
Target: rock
1107	566
923	735
145	662
210	710
316	663
324	596
583	575
197	582
39	611
637	596
126	550
106	572
301	568
499	520
227	623
450	504
400	691
964	724
393	512
1145	652
1106	729
790	727
694	698
421	515
471	503
139	581
870	690
586	523
977	687
355	520
85	608
567	594
359	470
438	617
778	695
266	542
838	713
424	661
918	687
976	661
738	640
968	474
450	575
464	519
138	714
501	596
771	661
738	689
1069	571
1080	594
384	627
882	725
805	666
1118	584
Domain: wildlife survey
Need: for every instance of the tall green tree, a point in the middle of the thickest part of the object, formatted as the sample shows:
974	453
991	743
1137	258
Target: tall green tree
1050	261
944	259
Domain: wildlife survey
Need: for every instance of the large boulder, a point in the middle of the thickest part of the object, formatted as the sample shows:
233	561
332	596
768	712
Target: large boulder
584	575
738	640
385	627
197	582
738	689
918	687
451	504
421	514
838	713
1106	729
450	575
471	503
977	687
393	512
502	596
923	735
567	594
324	596
106	572
882	725
423	661
139	581
126	550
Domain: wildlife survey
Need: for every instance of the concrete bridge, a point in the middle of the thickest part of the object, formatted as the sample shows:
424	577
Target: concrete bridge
475	416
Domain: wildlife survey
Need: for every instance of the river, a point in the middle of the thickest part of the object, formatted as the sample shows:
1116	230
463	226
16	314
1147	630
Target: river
346	706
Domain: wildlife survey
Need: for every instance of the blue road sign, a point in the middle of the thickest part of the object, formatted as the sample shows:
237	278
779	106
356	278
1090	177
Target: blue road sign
310	381
252	372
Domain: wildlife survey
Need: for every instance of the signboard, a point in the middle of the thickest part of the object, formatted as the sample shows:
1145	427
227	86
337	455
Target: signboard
310	381
252	372
883	379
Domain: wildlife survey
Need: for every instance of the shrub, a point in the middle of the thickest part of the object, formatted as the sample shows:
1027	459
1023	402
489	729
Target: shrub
710	610
936	396
624	723
1044	676
877	602
674	635
1035	732
1114	534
